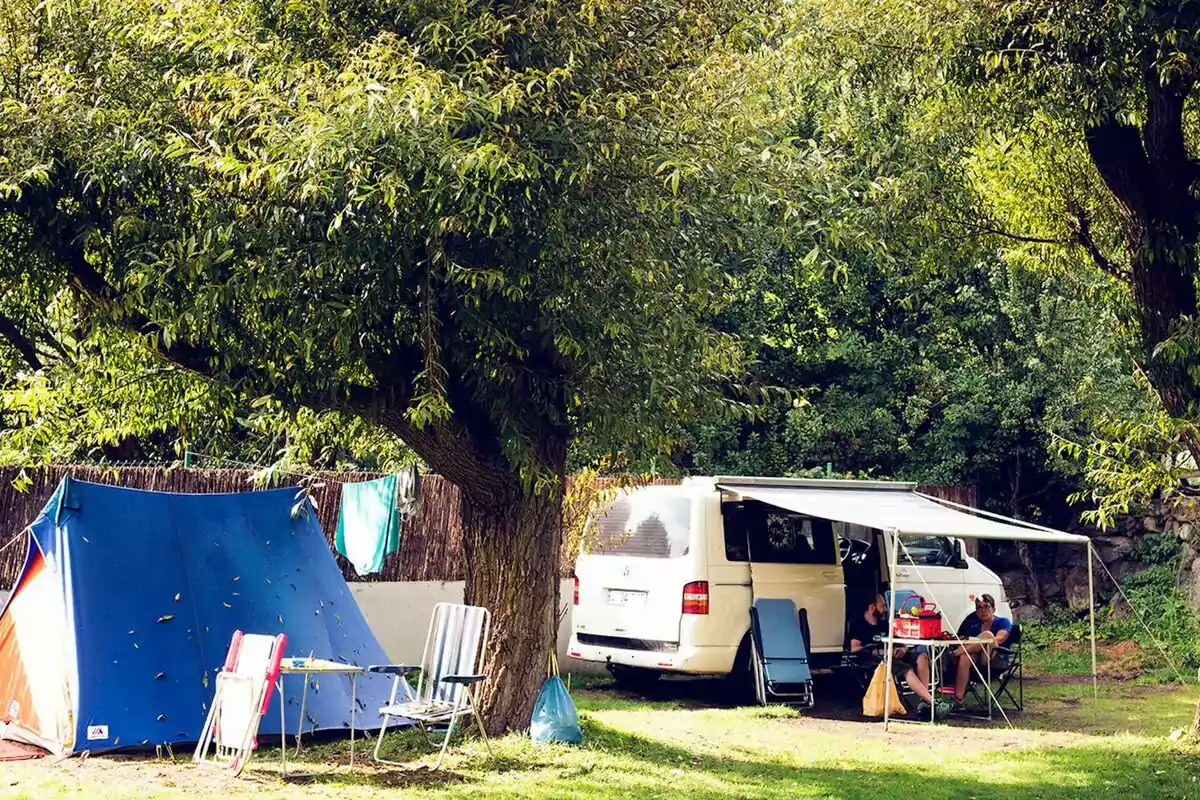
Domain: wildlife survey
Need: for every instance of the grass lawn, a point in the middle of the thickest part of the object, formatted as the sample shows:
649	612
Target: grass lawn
681	742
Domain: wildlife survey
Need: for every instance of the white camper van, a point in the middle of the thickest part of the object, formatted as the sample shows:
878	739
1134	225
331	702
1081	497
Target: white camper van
671	572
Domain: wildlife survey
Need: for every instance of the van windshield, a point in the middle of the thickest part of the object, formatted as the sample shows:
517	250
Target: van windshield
937	551
646	524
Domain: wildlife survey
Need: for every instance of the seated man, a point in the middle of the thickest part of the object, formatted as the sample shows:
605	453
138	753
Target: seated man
983	624
908	664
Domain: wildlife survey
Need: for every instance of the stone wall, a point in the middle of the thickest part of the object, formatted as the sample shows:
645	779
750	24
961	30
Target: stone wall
1053	574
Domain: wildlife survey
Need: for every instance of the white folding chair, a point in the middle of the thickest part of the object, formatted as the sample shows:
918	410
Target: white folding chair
447	686
242	695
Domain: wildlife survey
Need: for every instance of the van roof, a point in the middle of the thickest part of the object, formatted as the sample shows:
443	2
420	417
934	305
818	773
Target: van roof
813	483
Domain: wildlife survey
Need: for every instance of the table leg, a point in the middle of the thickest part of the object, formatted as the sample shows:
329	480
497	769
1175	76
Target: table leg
303	708
933	677
282	726
353	714
987	654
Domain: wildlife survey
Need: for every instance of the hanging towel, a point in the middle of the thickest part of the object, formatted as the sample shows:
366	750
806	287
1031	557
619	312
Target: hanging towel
368	524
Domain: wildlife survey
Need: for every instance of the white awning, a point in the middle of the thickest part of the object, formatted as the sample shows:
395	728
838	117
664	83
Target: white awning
900	507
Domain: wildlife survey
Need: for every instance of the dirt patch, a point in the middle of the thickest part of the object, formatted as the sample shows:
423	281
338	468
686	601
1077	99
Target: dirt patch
1117	660
262	776
1122	660
938	740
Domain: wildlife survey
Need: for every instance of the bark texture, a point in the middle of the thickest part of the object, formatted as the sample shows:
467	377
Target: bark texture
1150	173
512	552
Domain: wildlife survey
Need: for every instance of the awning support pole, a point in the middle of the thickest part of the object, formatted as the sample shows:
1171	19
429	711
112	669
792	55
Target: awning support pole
891	638
1092	618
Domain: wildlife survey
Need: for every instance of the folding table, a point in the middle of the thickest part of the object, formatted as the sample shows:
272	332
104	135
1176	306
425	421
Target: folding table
308	667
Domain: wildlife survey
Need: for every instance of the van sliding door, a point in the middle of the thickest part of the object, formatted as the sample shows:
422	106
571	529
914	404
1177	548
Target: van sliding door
796	557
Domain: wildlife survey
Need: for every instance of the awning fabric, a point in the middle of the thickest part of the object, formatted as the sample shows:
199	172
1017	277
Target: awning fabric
901	508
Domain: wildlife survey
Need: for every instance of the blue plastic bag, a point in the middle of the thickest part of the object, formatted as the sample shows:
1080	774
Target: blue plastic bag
554	716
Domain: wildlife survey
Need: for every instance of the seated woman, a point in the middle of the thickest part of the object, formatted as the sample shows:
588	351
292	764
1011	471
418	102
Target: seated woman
908	665
983	624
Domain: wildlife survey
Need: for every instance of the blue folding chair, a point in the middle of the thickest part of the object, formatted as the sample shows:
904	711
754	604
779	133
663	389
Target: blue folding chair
781	669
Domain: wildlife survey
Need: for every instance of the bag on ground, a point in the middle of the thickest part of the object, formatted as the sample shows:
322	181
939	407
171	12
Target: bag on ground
555	718
873	700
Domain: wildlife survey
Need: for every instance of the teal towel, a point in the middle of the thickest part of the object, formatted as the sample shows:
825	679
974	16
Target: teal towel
369	524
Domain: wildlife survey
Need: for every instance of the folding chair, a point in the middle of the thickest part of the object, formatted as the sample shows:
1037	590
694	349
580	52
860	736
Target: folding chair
447	686
243	692
781	669
1011	650
860	665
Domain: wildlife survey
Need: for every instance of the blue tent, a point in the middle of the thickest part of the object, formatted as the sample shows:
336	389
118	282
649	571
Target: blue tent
128	600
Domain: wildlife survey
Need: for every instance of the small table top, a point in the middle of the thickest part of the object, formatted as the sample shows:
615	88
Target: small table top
907	642
315	665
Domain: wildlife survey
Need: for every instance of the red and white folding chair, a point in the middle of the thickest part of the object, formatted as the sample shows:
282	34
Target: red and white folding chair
243	693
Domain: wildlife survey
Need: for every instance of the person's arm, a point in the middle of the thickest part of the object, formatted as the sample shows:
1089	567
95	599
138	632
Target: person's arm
860	638
1001	635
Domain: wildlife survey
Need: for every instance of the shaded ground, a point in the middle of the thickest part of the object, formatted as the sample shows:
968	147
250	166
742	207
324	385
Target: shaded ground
684	739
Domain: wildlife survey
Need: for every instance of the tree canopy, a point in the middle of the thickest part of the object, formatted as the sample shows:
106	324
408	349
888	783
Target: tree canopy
509	238
483	228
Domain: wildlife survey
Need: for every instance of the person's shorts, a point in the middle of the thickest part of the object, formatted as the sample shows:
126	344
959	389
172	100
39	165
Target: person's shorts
905	665
999	664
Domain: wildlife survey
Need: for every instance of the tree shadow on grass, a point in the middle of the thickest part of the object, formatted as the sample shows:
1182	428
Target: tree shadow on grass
1123	707
1051	773
379	778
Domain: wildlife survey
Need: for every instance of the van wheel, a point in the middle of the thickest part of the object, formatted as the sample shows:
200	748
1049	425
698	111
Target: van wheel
741	679
633	677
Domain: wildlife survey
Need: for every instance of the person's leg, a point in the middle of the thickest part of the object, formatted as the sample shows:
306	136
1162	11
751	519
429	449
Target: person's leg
962	676
923	667
919	687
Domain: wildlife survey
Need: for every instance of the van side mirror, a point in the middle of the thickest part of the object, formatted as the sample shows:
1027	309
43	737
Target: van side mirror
960	557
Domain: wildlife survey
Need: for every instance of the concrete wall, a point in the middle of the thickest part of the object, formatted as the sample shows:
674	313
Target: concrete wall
399	614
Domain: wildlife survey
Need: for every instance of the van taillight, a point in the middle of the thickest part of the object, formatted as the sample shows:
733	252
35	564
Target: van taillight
695	598
575	602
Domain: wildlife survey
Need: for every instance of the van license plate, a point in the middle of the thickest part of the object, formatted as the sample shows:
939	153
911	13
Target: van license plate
618	597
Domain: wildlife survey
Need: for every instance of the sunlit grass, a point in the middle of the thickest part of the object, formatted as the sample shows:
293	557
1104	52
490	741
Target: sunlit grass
684	748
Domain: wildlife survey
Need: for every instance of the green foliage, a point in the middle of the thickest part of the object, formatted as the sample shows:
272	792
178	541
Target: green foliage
921	349
1171	620
1158	548
1129	457
1053	126
412	214
1161	622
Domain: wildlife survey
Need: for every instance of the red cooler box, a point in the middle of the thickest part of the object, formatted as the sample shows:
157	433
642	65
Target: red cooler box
926	624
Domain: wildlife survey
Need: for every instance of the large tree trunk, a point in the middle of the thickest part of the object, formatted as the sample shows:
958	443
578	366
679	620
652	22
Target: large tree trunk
1150	173
512	548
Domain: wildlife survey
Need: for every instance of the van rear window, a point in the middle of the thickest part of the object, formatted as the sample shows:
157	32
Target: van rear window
647	524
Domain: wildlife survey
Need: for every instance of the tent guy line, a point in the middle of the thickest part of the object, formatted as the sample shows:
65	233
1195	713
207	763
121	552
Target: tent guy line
1092	554
14	539
95	666
1142	619
983	681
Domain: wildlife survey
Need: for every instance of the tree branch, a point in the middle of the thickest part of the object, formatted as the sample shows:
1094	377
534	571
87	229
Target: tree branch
23	345
1081	224
984	229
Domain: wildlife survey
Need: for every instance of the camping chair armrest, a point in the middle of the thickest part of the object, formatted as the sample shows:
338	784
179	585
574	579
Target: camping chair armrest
465	680
394	669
